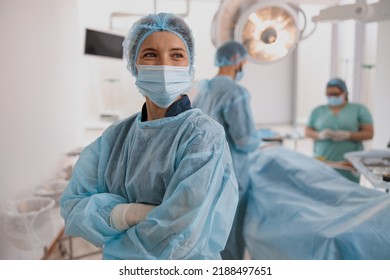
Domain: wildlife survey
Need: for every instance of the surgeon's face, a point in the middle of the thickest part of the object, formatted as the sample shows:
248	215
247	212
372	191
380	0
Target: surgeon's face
163	48
335	92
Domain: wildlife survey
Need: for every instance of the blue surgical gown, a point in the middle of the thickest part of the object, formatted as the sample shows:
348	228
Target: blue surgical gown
229	103
181	164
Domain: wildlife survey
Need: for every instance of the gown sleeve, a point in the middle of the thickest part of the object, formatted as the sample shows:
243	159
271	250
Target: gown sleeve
85	204
195	217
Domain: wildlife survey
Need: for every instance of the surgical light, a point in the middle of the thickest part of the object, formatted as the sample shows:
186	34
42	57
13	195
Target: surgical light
269	30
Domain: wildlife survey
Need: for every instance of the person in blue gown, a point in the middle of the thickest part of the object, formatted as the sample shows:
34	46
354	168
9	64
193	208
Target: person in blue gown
157	184
228	102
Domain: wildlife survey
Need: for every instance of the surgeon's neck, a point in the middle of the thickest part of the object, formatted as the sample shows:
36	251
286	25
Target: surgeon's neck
227	71
154	112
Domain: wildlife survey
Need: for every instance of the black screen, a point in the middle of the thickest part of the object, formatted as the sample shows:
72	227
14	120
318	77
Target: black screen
103	44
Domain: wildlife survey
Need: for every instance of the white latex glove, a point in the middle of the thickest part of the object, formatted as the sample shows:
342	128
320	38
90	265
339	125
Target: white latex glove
341	135
124	216
325	134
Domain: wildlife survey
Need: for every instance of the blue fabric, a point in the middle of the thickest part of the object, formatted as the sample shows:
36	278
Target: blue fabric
163	83
300	208
335	100
230	53
339	83
229	104
181	164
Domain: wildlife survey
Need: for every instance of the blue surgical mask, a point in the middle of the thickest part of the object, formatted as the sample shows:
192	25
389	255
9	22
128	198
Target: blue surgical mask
162	84
335	101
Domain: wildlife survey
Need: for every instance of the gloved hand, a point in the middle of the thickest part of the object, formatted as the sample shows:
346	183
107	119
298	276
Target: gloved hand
341	135
325	134
124	216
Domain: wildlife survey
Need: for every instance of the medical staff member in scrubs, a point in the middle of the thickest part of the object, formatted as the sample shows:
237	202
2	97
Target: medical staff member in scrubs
339	126
228	102
159	184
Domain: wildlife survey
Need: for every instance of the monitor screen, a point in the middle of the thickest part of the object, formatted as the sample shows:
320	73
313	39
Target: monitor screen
103	44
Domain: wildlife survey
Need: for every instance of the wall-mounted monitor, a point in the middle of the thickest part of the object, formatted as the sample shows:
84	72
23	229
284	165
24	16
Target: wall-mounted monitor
103	44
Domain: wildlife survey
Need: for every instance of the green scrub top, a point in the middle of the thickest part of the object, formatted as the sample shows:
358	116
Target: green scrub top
350	117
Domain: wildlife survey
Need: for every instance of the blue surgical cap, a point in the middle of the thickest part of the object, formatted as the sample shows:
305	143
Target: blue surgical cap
339	83
149	24
230	53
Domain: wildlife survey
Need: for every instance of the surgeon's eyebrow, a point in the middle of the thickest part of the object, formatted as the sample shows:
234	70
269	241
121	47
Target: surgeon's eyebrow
148	50
178	49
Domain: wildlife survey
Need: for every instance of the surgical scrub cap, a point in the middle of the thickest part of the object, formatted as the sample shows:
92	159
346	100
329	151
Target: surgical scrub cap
337	82
146	26
230	53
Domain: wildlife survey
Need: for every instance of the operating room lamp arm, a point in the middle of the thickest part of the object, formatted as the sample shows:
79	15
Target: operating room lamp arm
360	11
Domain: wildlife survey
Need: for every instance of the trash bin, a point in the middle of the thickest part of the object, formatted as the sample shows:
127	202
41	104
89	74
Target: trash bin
52	188
28	222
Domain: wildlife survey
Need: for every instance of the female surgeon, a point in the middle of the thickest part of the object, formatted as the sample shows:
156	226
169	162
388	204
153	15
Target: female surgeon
159	184
339	126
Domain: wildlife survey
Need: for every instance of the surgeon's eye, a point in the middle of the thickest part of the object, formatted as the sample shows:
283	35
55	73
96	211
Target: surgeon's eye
337	93
149	55
178	55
